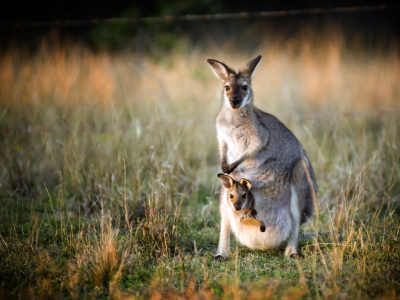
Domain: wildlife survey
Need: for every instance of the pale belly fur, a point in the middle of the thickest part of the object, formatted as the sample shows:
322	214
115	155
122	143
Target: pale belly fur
275	214
249	169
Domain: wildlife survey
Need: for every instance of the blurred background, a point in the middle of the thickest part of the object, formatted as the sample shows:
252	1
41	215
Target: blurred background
80	91
108	150
308	56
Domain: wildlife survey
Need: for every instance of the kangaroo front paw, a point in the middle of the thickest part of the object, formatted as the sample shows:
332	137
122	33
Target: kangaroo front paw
231	167
262	227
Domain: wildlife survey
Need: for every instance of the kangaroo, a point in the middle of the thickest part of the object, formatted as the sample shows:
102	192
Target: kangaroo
242	201
256	145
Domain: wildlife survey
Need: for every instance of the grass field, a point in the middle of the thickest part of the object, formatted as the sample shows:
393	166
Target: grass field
108	173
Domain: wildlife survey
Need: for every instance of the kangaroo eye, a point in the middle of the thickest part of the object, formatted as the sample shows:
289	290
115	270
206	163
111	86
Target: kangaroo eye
245	87
227	88
244	196
231	196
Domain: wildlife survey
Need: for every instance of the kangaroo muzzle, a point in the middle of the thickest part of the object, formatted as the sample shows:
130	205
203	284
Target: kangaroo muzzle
238	206
235	102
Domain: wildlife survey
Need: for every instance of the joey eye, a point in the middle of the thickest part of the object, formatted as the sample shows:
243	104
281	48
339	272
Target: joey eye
231	196
244	196
227	88
245	87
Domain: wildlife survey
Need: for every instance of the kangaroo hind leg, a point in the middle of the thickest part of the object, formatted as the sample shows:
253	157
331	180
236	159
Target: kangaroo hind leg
292	247
301	204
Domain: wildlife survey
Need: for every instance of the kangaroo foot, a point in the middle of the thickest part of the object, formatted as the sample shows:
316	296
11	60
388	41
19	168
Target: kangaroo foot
293	252
219	258
297	255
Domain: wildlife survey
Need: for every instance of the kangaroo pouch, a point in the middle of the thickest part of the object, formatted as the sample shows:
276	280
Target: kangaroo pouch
275	213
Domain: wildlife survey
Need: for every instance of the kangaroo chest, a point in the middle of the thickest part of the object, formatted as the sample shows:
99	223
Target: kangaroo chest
239	139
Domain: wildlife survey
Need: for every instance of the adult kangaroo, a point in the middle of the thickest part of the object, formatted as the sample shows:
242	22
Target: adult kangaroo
255	145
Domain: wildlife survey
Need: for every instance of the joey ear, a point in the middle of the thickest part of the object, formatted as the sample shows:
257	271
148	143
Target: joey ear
226	180
250	68
220	69
245	183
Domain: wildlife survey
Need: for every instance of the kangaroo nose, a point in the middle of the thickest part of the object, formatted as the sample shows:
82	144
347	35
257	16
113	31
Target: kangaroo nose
235	100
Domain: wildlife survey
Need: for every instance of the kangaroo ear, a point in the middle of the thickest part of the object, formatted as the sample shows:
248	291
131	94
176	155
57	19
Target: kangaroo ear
226	180
250	68
220	69
245	183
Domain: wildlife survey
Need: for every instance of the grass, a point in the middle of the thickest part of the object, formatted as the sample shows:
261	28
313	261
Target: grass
108	173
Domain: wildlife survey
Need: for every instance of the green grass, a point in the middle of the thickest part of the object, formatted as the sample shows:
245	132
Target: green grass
100	200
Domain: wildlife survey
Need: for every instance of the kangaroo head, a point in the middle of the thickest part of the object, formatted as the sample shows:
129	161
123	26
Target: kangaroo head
238	192
237	86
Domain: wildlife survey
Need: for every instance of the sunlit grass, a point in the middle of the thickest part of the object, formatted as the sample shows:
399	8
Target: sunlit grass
108	173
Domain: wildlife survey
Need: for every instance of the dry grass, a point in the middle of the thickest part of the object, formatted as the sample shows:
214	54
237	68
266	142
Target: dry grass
108	164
